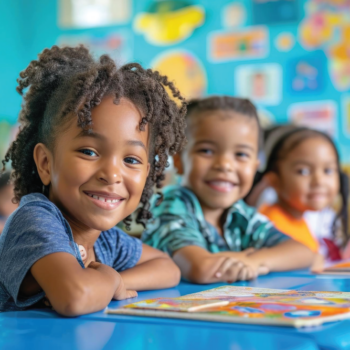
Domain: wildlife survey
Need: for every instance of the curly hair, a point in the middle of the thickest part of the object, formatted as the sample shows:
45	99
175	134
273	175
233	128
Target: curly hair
67	82
242	106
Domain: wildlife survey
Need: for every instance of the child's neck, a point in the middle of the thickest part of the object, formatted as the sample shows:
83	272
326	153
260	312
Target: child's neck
295	213
214	217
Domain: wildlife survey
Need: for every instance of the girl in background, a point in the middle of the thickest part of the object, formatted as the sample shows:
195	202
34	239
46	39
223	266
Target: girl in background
302	165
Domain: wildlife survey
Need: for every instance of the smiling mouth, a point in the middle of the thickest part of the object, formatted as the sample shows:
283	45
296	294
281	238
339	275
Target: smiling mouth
107	201
103	199
221	185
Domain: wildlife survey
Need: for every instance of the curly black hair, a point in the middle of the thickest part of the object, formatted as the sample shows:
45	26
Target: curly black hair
68	82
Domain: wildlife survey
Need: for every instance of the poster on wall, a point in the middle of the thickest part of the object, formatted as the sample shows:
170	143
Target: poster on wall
326	26
275	11
320	115
117	45
169	22
185	70
233	15
261	83
306	74
247	43
93	13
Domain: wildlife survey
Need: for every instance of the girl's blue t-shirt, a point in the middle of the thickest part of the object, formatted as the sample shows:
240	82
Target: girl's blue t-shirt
36	229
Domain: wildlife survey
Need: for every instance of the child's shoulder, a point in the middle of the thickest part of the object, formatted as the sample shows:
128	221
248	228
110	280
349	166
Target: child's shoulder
176	200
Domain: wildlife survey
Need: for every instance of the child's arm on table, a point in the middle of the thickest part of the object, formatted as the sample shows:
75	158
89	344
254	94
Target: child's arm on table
200	266
154	270
74	291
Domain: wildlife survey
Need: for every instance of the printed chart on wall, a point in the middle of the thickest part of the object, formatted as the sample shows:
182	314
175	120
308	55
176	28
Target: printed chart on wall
260	82
320	115
185	70
243	44
116	44
248	305
93	13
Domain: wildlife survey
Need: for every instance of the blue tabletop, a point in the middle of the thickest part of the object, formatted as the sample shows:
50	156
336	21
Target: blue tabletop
45	329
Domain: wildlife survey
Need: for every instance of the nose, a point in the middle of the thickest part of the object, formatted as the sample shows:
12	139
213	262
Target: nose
110	172
223	163
317	178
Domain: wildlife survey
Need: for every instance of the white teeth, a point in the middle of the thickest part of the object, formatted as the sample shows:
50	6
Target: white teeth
103	199
222	183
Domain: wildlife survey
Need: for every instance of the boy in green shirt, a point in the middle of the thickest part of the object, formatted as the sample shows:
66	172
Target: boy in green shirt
204	224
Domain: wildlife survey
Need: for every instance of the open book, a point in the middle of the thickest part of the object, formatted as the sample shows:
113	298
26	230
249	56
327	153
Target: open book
248	305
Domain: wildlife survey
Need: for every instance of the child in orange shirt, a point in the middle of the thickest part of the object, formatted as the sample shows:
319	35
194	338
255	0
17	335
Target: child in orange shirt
302	165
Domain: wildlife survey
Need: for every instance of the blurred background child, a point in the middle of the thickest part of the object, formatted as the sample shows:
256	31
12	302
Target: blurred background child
302	166
203	224
6	196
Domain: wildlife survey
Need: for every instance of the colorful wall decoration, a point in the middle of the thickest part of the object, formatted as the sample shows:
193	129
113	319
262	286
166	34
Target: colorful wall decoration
291	57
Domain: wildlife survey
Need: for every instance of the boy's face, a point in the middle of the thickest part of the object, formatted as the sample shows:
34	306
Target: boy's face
97	179
308	176
220	160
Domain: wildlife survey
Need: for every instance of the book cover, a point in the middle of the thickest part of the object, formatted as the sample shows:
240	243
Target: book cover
248	305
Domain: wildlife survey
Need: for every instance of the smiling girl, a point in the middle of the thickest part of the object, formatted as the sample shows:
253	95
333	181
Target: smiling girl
93	143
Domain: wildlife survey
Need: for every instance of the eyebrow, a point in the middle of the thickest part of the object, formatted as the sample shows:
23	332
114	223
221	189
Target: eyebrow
311	164
214	143
87	133
137	143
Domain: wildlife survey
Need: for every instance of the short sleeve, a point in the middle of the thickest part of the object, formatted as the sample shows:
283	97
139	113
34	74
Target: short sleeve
128	250
34	231
170	233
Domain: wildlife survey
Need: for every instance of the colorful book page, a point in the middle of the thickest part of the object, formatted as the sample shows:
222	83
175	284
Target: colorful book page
177	304
249	305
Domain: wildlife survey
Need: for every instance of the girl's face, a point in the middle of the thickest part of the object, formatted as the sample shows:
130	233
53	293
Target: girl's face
220	159
308	176
97	178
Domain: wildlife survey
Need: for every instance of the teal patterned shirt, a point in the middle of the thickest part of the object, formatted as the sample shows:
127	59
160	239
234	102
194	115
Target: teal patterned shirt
179	221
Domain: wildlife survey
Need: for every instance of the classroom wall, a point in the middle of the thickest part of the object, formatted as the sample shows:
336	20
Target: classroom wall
290	57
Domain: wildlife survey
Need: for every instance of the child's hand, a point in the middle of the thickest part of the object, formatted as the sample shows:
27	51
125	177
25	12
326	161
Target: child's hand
122	293
229	270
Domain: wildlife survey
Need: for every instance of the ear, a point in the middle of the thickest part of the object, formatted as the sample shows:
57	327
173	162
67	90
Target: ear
43	159
178	163
273	180
148	168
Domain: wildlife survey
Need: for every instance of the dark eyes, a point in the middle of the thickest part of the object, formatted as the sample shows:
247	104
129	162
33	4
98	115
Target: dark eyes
303	171
88	152
242	155
131	160
206	151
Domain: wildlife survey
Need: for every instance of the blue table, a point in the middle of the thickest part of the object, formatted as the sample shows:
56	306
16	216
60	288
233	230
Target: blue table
45	329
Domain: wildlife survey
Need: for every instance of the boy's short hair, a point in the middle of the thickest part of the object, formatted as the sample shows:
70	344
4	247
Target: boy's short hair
242	106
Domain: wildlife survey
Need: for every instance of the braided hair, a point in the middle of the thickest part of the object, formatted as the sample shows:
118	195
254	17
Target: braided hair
281	141
65	83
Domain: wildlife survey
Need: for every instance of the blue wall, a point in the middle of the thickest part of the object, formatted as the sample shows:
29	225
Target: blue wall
28	26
